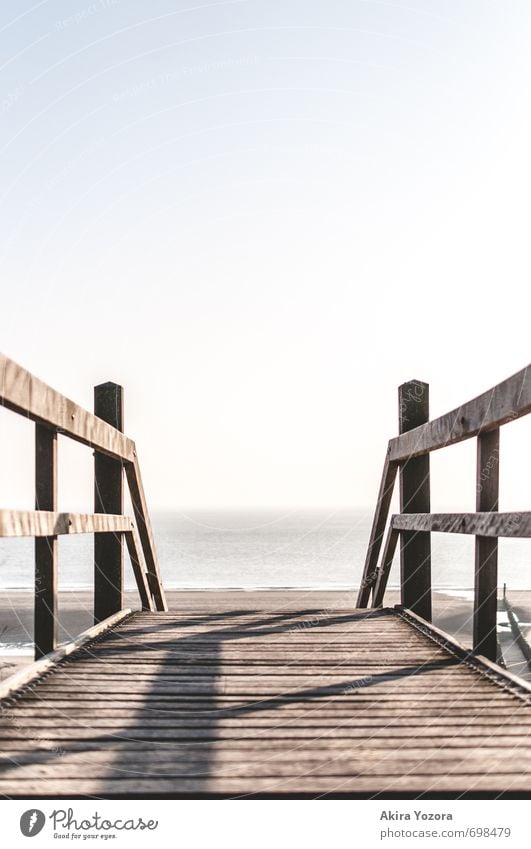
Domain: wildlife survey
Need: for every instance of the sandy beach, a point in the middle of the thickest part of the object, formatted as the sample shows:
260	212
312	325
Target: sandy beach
451	613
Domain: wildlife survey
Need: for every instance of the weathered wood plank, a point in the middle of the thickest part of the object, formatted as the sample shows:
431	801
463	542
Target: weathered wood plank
478	662
31	673
415	546
486	553
438	734
126	712
351	785
317	722
258	745
138	500
385	567
125	720
251	690
45	604
370	569
135	555
108	498
505	402
46	523
483	523
306	762
24	393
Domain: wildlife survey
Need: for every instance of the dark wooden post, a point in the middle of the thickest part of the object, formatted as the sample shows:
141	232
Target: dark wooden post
415	547
45	624
486	565
108	498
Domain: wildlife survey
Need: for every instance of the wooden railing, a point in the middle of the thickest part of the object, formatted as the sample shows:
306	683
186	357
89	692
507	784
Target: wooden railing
114	453
409	453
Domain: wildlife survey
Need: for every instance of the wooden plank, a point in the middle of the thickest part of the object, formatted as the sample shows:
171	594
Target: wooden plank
125	712
236	663
180	748
370	569
240	667
511	736
307	761
385	567
232	765
349	786
45	602
44	523
134	549
24	393
108	498
485	524
479	662
486	554
29	674
505	402
415	546
138	500
255	720
129	720
517	632
252	689
469	700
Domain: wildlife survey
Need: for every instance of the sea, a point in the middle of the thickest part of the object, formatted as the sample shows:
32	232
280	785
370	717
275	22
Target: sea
274	548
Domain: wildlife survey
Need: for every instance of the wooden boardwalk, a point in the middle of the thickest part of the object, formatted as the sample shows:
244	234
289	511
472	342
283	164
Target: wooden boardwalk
250	694
243	699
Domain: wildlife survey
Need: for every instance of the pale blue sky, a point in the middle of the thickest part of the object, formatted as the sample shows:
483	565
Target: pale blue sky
261	217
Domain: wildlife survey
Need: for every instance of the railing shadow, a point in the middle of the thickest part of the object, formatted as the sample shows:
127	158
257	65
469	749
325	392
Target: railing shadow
171	728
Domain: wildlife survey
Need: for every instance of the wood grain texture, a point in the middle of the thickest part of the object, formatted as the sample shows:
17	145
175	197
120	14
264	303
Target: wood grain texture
236	701
505	402
46	549
486	549
108	498
25	676
385	567
24	393
45	523
138	500
370	568
415	546
484	523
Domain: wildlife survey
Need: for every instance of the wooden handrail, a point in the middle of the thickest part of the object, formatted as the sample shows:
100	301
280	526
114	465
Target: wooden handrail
22	392
514	525
53	414
45	523
481	417
501	404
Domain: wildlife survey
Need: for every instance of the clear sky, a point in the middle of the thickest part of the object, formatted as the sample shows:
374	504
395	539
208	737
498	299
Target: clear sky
260	217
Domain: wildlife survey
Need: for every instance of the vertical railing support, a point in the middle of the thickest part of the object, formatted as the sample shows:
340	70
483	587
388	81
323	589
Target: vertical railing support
415	547
486	562
45	605
108	498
